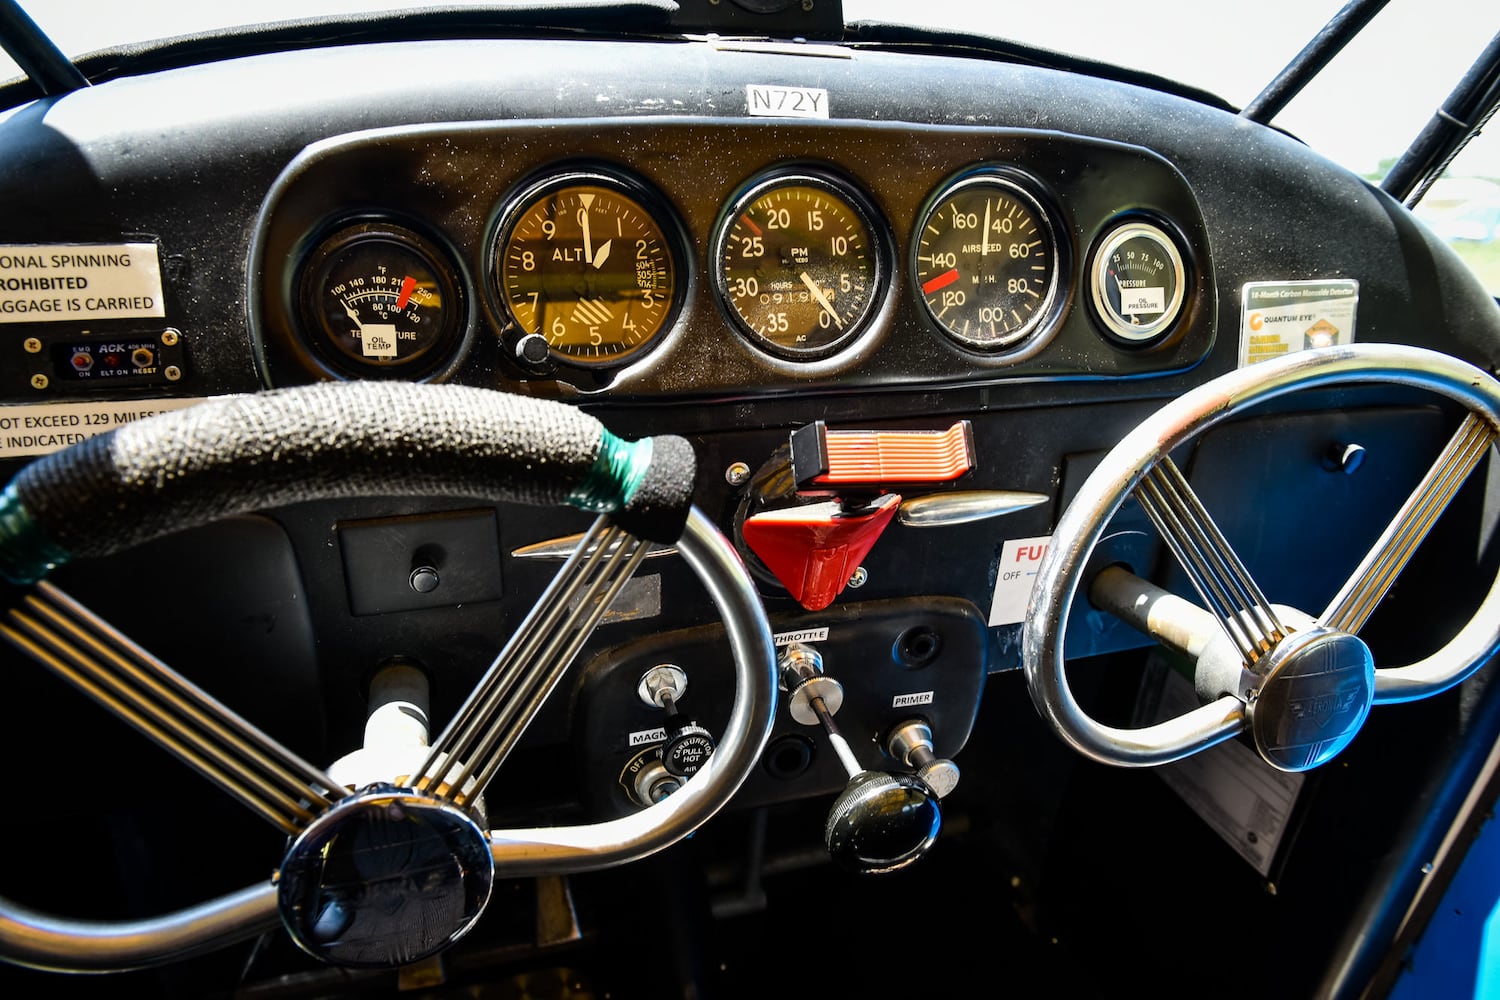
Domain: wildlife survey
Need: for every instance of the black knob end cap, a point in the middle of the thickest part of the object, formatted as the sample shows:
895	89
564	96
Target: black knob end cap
687	749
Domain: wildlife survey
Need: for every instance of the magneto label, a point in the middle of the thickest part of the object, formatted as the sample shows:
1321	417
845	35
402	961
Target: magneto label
763	101
42	428
48	283
1014	577
648	736
1284	317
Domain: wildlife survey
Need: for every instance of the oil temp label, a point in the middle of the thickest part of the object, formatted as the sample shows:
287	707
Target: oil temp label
1014	576
1284	317
38	429
77	281
763	101
801	635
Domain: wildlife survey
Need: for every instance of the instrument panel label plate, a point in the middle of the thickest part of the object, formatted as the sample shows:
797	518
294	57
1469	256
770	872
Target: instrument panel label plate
1284	317
47	283
764	101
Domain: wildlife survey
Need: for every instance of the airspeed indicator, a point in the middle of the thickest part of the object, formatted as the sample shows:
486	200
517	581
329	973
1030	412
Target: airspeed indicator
985	262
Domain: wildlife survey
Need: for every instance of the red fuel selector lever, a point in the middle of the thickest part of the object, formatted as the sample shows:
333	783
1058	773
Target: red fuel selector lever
813	548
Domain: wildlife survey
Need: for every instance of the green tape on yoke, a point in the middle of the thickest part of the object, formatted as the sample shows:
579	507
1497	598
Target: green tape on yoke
619	466
26	555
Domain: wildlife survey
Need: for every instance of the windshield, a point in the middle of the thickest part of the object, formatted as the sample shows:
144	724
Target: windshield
1361	111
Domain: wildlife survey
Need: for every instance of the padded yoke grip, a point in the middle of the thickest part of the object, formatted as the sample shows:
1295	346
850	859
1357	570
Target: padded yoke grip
234	454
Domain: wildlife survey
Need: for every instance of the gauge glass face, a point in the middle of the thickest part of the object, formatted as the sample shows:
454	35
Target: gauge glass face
1138	282
587	267
986	263
381	298
798	267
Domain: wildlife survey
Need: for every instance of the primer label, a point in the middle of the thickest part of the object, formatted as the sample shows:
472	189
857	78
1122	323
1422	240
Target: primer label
48	283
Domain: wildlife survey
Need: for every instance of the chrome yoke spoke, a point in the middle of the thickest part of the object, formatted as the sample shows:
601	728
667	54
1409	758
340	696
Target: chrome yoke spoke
467	754
1203	552
1377	572
93	656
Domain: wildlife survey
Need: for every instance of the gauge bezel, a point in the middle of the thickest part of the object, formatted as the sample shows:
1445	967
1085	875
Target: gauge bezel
1116	233
863	207
524	194
311	271
1046	321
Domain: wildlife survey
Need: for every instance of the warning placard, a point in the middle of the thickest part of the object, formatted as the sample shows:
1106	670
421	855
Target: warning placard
36	429
79	281
1283	317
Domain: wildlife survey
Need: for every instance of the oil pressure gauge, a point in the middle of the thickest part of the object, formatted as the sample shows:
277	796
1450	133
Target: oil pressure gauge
986	261
1138	282
378	300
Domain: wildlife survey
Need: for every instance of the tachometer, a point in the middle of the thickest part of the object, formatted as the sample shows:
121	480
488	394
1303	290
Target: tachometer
1138	281
800	264
587	261
986	261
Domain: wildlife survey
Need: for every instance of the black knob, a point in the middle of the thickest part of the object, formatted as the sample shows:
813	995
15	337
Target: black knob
687	749
882	822
533	354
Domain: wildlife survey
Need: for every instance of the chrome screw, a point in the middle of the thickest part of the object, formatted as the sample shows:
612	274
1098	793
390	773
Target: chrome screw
173	373
169	337
39	381
737	474
859	579
32	345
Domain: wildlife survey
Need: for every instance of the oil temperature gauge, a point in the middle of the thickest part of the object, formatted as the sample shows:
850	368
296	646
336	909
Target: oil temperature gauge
378	299
1138	282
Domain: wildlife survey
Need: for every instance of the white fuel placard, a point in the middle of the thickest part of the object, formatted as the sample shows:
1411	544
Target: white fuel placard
1015	576
48	283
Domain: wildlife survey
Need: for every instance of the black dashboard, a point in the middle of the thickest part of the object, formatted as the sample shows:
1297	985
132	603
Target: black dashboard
404	210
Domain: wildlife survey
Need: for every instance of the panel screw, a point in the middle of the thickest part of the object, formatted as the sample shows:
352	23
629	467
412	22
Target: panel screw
173	373
32	345
169	337
807	4
39	381
859	579
737	474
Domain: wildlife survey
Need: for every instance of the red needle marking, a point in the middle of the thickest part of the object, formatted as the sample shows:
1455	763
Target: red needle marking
408	285
943	280
753	227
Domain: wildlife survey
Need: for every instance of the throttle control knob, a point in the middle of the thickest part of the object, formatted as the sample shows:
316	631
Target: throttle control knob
882	822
